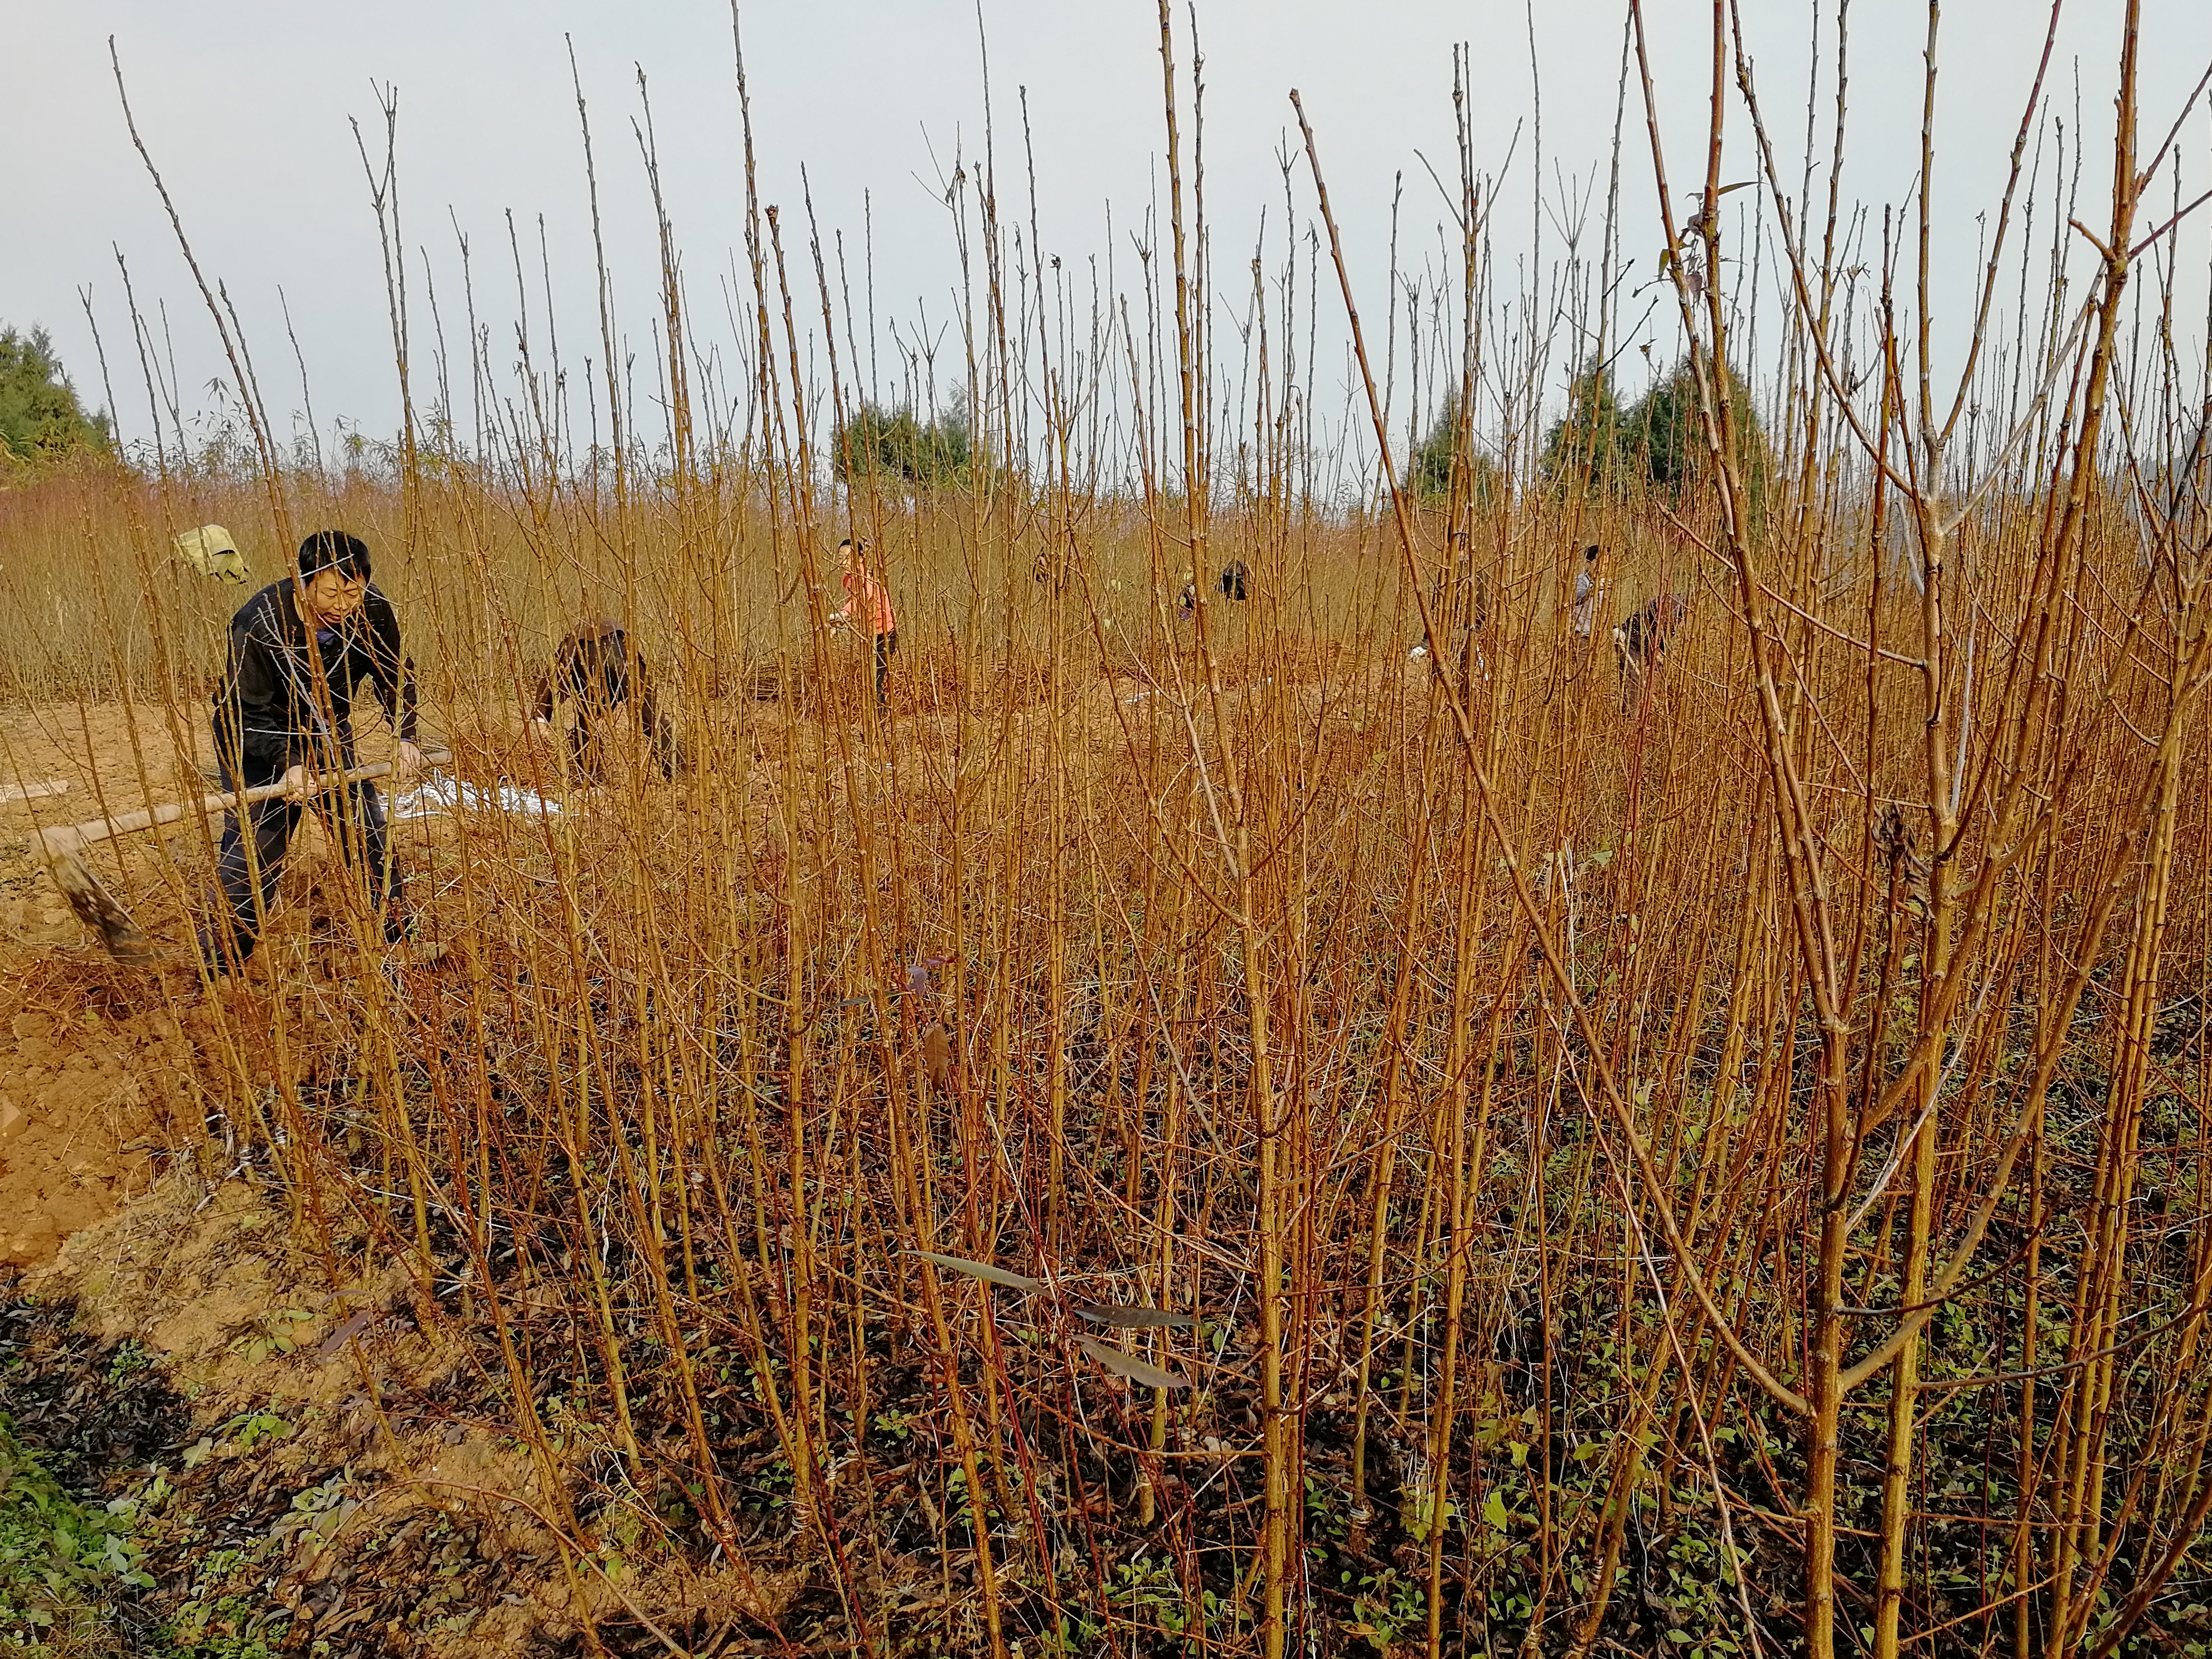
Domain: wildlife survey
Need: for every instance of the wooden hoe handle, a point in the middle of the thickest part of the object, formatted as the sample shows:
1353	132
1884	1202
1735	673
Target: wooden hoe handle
74	837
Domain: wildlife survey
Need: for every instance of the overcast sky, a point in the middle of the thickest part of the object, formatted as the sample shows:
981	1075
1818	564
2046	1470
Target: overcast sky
245	106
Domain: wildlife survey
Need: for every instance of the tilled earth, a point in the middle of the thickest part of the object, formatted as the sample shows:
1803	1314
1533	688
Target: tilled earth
309	1469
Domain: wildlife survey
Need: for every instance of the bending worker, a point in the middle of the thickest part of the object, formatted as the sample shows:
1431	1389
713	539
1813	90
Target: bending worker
592	669
284	715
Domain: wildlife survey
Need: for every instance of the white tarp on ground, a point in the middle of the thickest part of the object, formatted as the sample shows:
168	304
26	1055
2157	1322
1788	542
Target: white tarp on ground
440	794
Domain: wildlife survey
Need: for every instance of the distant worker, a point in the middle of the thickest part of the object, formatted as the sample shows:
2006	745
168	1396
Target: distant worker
284	715
1589	593
1641	642
593	668
1235	580
866	600
210	550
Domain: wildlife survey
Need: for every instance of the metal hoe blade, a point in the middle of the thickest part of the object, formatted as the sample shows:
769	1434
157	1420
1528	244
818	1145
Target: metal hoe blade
95	907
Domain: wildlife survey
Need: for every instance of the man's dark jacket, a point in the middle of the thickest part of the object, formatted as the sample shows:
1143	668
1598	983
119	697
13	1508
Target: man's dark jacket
277	711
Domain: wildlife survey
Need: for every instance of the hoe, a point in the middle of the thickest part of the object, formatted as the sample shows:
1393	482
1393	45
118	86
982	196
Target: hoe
126	941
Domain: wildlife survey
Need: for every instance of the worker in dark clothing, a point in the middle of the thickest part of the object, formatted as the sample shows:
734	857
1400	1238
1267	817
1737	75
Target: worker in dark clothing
1640	643
592	668
284	715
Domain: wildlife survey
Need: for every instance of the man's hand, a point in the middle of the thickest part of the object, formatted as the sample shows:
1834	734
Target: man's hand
540	726
407	762
299	782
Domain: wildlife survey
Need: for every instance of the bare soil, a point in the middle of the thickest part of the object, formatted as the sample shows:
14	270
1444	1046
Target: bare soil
96	1072
307	1436
95	1061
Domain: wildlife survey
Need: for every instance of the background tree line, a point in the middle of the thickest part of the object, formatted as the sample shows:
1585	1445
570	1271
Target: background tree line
1656	442
41	419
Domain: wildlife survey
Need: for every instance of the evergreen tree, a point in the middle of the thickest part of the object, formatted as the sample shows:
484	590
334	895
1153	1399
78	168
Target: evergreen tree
41	418
1665	433
896	444
1428	472
1586	442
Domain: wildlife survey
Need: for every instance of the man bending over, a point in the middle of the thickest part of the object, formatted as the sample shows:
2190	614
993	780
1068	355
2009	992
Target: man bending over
592	669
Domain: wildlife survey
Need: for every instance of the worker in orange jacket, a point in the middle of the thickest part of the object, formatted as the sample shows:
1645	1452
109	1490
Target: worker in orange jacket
868	600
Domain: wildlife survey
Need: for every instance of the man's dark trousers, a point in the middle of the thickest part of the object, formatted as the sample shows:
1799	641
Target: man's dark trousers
886	649
353	814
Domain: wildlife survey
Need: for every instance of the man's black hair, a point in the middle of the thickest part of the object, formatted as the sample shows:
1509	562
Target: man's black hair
1590	552
334	549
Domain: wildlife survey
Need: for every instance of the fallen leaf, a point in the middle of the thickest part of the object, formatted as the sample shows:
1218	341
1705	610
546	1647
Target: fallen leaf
1122	1364
983	1270
937	1056
336	1342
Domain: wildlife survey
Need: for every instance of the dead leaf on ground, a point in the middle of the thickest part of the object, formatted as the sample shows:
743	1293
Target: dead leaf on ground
937	1056
1126	1365
983	1270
